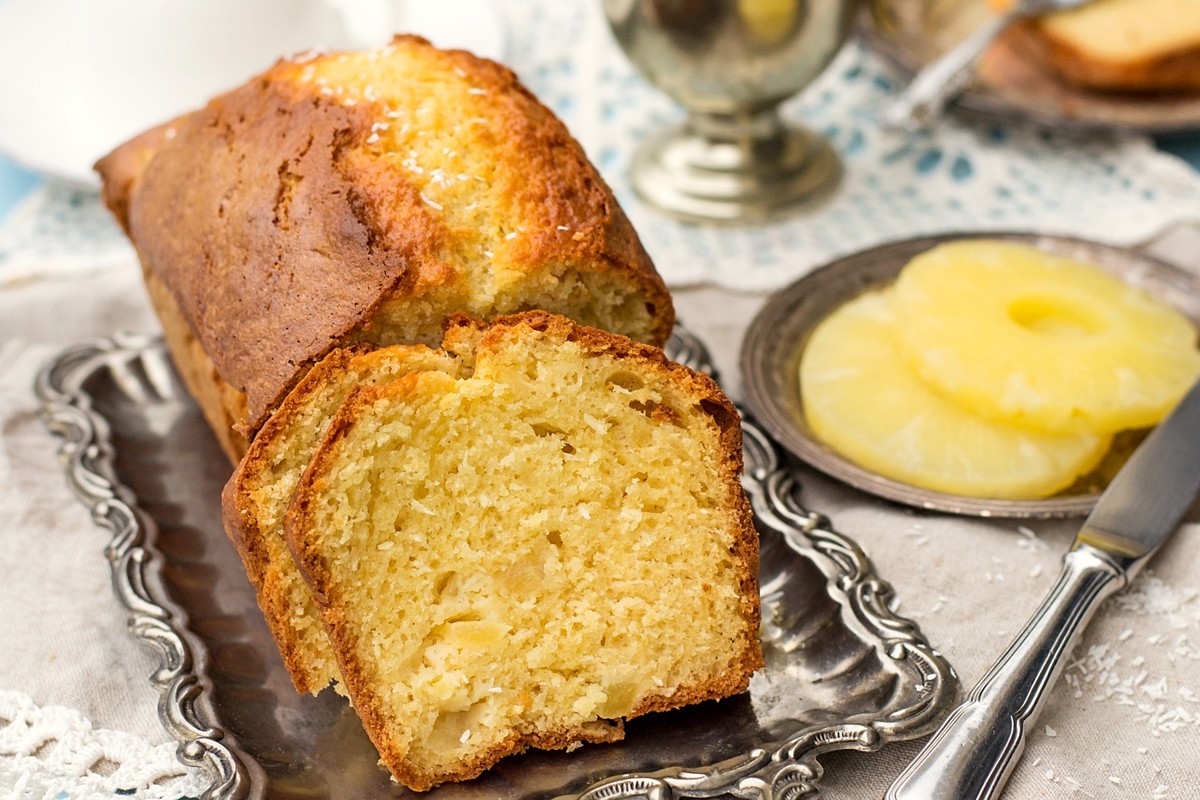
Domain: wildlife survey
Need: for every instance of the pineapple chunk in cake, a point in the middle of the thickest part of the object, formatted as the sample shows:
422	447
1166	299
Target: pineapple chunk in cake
1038	340
862	399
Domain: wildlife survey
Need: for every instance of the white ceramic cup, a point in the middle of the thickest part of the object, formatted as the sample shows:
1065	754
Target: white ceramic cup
161	58
78	77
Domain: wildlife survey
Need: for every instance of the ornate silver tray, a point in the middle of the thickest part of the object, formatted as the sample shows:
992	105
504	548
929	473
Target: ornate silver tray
843	671
771	350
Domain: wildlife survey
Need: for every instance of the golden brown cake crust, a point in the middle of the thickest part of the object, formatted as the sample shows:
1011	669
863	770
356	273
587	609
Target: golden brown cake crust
122	168
306	548
278	246
269	271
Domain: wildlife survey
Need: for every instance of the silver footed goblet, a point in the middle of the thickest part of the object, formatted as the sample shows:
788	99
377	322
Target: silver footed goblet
730	63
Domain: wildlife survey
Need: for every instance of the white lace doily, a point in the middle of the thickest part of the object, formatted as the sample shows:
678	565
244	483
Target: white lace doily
54	753
961	176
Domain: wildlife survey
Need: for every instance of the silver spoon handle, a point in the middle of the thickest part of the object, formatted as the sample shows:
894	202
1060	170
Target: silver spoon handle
942	79
973	752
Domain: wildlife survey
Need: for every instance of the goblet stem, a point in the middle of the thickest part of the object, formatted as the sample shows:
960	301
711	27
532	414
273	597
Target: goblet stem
749	125
749	140
744	165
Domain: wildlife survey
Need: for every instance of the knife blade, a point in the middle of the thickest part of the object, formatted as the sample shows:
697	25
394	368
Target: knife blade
976	748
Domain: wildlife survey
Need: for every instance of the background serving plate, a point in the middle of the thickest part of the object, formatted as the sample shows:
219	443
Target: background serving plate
911	33
843	671
770	362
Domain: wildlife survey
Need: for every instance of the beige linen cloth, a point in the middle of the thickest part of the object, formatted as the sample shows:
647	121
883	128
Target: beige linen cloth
1123	723
78	717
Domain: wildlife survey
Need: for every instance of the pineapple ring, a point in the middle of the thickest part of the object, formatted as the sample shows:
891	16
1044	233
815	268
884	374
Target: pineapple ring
861	399
1041	341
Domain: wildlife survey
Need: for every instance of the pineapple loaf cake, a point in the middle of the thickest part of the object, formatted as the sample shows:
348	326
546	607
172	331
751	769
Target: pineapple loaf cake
360	197
559	527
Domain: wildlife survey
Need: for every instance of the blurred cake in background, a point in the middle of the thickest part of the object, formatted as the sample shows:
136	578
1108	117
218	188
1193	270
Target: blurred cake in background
1117	45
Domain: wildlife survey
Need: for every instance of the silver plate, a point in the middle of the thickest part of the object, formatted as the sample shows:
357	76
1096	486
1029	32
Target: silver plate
911	33
771	351
843	671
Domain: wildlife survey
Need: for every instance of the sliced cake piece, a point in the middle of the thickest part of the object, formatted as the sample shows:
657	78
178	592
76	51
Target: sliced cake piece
530	555
256	497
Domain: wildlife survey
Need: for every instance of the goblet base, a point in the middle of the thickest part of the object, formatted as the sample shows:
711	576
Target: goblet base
701	178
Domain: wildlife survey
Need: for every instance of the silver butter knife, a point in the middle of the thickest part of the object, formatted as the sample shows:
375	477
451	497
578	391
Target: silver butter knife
973	752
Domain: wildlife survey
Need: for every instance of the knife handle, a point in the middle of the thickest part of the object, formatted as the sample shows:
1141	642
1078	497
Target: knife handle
973	752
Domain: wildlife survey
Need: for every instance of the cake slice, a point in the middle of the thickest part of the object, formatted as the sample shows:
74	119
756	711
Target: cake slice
529	555
1121	45
258	493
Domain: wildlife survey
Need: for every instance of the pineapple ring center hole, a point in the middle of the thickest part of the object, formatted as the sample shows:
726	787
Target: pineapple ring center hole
1055	316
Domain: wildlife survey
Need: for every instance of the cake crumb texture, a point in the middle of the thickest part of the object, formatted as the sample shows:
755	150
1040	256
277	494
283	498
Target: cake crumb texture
257	495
